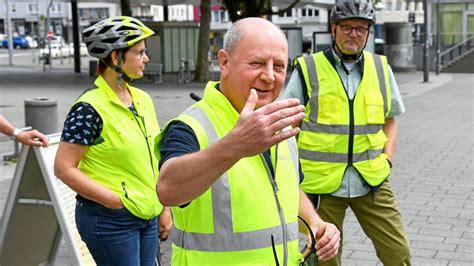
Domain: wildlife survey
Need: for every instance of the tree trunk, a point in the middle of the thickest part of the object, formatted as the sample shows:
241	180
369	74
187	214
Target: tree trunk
165	10
239	9
125	7
202	64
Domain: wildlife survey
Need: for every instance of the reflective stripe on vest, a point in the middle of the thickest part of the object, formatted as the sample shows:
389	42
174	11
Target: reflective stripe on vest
223	238
339	129
381	78
338	157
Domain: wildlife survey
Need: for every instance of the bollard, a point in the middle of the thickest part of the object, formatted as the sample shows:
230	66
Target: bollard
42	114
47	59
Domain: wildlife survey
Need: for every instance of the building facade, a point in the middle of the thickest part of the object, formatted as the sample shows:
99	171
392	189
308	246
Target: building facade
30	17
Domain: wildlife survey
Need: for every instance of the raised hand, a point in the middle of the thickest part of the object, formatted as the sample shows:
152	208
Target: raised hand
258	130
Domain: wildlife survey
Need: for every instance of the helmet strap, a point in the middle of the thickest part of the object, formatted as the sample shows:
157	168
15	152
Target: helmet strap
118	69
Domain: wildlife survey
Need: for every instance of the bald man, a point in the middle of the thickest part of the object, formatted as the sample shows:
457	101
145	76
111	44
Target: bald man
229	163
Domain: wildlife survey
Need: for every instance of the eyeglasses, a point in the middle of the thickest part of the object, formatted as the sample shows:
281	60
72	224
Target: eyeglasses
141	53
347	29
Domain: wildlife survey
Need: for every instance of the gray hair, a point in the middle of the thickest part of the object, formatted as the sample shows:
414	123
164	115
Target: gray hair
236	33
233	36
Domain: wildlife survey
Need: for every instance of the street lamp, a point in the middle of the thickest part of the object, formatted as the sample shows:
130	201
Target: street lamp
9	32
438	37
426	12
50	58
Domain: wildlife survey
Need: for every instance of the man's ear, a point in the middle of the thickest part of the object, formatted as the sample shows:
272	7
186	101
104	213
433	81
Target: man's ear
333	30
223	58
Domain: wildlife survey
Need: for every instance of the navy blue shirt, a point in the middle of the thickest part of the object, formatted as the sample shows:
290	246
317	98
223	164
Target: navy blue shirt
83	124
180	140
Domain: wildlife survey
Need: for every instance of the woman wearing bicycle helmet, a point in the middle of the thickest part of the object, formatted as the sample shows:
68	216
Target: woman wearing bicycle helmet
106	150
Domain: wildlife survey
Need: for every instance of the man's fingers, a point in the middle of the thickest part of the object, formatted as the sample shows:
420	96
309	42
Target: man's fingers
279	105
284	135
328	244
251	102
280	124
284	113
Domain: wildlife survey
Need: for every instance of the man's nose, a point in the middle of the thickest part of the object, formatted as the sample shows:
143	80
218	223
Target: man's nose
268	75
353	33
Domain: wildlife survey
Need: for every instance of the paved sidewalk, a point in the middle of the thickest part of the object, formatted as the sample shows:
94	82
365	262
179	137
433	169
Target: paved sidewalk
432	176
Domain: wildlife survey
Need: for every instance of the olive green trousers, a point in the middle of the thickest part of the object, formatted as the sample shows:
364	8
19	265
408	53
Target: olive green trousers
380	219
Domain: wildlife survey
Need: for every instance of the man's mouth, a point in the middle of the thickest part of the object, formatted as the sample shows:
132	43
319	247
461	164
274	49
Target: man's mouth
261	91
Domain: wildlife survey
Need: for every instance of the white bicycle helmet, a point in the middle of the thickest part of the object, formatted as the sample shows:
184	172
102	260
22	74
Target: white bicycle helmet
345	9
114	33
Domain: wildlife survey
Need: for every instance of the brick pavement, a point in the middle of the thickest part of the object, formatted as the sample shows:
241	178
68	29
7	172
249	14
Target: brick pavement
432	177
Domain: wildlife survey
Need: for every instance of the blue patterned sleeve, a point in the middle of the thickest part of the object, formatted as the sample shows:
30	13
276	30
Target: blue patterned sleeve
83	125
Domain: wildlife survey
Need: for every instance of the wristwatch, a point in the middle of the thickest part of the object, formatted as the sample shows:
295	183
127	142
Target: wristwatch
16	132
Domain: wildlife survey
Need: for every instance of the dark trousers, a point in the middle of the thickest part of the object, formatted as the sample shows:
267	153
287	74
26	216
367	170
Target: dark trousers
115	236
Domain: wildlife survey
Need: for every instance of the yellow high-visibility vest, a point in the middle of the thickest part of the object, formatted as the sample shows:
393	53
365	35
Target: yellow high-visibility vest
124	161
234	221
337	131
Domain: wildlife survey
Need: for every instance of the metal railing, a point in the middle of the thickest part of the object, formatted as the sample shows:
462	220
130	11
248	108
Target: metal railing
446	39
454	52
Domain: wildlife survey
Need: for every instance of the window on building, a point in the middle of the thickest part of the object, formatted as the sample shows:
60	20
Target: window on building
56	7
219	16
224	17
32	8
398	5
145	10
285	14
155	11
93	13
309	12
215	16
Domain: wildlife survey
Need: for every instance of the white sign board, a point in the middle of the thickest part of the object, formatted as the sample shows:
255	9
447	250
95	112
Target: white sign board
39	208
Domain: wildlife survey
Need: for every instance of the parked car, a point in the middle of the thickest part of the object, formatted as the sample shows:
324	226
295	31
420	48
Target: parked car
18	42
42	42
57	51
82	49
32	43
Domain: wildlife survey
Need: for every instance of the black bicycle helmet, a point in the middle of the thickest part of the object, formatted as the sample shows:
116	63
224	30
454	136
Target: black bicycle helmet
345	9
